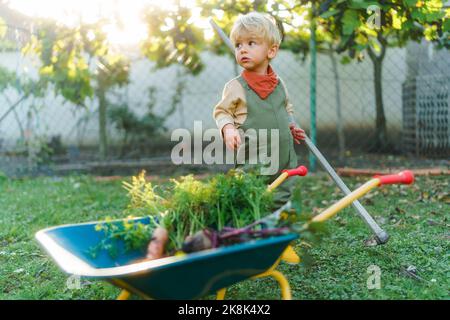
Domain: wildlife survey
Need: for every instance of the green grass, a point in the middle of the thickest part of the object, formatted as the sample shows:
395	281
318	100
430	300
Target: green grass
416	217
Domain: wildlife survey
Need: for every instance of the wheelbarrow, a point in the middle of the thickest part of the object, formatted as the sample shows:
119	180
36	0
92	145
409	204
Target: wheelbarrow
194	275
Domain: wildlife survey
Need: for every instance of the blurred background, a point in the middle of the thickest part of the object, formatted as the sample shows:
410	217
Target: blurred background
99	86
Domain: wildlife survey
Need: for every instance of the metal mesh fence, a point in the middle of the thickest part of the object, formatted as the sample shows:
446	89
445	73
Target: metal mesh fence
37	133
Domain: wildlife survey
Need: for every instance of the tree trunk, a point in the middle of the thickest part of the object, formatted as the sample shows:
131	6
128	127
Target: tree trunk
103	143
380	121
340	124
381	142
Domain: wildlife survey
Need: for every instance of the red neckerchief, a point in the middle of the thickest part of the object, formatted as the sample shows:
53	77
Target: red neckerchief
262	84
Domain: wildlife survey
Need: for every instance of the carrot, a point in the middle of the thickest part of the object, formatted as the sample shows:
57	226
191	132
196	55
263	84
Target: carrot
156	247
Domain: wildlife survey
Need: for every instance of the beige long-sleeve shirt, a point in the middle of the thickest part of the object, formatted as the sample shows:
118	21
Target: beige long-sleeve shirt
232	108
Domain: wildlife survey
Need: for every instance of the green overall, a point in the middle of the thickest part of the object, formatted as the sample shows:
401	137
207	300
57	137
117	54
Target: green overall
269	113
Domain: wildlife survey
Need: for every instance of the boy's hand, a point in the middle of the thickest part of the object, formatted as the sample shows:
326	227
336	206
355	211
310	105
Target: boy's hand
231	136
297	133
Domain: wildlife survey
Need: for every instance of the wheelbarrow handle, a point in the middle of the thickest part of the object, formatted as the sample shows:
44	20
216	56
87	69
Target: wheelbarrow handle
405	177
299	171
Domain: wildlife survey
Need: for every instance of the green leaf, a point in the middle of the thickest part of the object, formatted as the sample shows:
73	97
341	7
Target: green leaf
346	60
330	13
350	21
446	25
362	4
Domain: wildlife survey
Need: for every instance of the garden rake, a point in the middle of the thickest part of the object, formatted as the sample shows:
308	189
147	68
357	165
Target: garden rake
381	236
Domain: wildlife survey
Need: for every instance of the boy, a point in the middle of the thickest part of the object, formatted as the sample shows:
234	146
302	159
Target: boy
257	102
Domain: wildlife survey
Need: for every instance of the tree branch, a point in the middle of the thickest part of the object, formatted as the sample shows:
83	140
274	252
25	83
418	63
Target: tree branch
13	106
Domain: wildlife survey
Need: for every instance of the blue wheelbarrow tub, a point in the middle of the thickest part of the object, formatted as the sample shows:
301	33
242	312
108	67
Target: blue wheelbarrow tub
178	277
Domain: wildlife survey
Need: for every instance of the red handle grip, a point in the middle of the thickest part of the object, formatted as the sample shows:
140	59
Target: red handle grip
405	177
300	171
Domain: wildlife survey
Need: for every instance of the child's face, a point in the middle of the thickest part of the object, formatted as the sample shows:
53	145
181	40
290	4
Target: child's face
254	53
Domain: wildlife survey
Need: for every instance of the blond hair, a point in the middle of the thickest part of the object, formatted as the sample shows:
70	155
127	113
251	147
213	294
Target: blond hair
263	25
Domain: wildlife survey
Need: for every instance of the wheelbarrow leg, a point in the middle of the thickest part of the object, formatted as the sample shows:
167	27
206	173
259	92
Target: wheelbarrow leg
124	295
221	294
284	284
282	281
277	275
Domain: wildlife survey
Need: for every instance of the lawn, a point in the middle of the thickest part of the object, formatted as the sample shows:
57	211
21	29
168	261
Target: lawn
414	264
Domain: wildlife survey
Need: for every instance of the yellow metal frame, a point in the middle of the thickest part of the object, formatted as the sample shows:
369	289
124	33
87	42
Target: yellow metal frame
290	256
